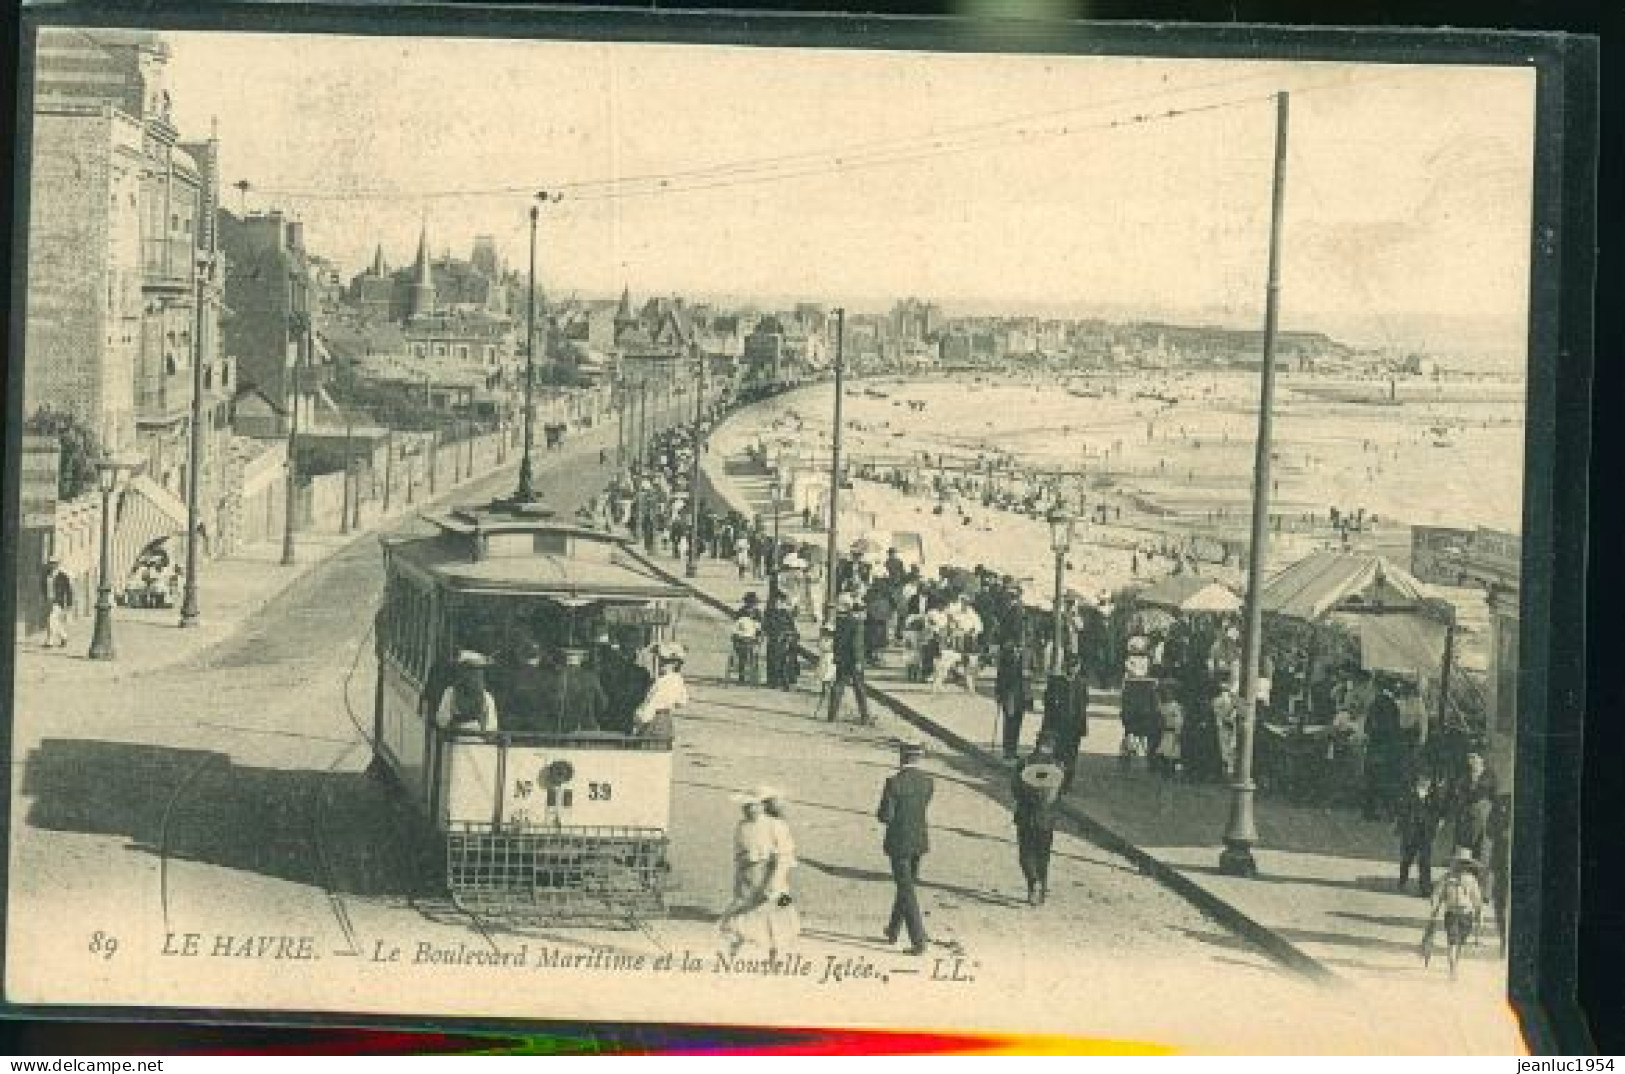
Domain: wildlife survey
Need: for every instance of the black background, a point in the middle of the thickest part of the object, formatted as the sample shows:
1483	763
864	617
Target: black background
1602	930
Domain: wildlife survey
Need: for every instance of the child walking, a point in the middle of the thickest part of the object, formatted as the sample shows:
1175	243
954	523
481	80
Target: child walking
1461	902
826	669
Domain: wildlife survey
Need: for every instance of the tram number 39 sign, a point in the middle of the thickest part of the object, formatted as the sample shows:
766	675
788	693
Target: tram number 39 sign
597	792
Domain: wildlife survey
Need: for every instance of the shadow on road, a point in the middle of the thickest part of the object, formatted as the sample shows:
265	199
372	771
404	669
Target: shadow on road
848	872
334	829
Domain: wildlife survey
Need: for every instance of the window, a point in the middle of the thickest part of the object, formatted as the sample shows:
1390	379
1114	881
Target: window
170	365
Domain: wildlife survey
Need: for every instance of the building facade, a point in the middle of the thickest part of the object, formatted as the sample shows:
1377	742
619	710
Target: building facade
83	319
267	289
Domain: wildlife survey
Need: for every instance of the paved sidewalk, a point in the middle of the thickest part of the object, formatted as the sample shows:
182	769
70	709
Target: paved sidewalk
1327	885
233	588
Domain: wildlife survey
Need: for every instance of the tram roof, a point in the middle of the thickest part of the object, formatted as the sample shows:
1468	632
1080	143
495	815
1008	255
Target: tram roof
486	548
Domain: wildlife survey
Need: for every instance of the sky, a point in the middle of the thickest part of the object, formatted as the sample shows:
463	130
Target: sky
1407	187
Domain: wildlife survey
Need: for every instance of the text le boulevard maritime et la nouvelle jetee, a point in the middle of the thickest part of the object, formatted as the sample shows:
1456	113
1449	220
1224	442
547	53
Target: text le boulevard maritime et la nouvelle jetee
827	970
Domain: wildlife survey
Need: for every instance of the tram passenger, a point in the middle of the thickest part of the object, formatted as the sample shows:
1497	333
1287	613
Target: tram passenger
466	705
625	684
575	701
668	693
520	688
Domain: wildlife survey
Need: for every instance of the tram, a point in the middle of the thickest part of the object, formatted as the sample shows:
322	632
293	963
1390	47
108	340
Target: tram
552	826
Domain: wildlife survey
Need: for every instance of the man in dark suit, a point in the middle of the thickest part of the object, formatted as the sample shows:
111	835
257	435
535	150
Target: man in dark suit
1066	717
903	806
624	682
519	690
849	659
580	700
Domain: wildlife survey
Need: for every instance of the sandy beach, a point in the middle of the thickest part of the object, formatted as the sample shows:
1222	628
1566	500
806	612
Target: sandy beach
1169	457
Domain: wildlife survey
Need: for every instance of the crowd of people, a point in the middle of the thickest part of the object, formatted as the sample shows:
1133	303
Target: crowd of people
1180	675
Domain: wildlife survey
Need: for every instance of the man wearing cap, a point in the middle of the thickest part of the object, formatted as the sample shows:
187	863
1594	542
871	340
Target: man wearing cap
58	601
466	705
903	806
849	659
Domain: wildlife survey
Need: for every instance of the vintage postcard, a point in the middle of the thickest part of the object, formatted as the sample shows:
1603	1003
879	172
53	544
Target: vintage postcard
803	536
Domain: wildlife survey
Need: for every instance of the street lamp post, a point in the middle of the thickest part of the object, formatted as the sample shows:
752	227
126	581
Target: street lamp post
194	466
109	473
1060	542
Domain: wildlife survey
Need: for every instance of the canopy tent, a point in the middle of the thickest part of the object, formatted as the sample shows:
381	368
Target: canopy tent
1190	593
1397	644
1397	626
1323	582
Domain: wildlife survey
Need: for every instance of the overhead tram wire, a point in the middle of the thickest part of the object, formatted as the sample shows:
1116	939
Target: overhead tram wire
932	140
834	163
935	137
828	162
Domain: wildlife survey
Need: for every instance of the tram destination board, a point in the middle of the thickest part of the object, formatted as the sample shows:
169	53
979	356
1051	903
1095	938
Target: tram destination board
978	563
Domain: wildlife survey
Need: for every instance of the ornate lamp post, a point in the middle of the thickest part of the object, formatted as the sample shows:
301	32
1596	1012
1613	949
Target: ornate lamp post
110	473
1060	542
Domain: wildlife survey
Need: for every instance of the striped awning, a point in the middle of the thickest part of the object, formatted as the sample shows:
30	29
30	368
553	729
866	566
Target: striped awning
146	511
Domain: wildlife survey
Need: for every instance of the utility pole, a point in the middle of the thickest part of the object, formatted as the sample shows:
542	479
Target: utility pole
831	540
526	491
643	421
349	495
389	467
1241	833
289	555
620	426
190	614
693	568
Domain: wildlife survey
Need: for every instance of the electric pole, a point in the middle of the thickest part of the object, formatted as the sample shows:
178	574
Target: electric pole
1241	833
830	544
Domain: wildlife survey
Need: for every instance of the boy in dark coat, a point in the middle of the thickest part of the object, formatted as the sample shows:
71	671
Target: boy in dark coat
1418	825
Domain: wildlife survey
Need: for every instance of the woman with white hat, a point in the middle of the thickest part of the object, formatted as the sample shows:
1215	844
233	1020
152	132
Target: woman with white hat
667	694
763	856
